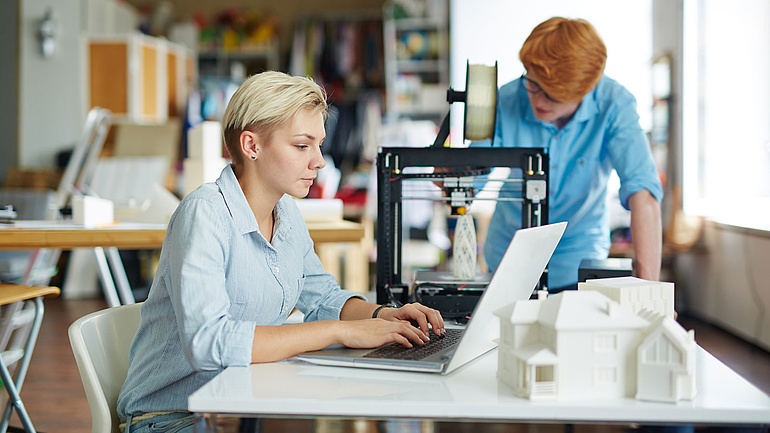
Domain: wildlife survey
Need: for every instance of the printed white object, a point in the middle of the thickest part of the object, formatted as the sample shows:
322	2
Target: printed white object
635	294
92	211
464	248
583	345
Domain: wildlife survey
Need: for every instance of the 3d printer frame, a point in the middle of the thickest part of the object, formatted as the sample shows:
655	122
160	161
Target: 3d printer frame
463	163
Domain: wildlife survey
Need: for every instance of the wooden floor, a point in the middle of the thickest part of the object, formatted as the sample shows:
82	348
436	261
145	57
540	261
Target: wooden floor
56	401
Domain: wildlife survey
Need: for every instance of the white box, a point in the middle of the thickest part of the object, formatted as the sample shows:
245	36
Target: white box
92	211
204	141
198	171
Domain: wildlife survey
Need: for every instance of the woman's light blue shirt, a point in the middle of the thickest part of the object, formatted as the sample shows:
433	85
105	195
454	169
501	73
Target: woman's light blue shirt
217	279
604	134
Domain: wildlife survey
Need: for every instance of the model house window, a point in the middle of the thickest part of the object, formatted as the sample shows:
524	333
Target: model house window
605	343
662	351
725	127
605	375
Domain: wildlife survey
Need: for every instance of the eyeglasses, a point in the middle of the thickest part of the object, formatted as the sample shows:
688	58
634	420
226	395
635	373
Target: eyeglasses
534	88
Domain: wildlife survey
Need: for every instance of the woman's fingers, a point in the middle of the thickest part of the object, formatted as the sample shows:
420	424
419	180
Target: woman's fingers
420	315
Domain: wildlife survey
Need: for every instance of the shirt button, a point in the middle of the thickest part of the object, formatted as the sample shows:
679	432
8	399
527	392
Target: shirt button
276	269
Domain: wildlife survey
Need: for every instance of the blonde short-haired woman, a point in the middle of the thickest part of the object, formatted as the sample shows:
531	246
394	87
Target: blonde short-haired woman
237	259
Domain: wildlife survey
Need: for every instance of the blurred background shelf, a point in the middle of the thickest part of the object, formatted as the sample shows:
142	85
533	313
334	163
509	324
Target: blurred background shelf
416	44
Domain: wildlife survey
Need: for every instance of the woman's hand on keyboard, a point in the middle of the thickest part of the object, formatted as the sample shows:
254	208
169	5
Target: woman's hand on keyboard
416	314
369	333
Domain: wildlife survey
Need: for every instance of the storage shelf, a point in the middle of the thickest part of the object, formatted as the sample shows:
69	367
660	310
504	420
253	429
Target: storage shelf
418	75
417	111
411	24
421	65
249	53
218	62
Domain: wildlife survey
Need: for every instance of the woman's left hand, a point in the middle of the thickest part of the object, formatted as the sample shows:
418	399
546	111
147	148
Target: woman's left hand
417	314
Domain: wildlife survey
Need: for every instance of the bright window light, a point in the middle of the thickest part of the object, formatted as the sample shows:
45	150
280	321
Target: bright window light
726	111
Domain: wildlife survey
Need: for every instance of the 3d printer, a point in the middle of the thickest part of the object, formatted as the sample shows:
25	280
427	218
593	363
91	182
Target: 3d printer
461	169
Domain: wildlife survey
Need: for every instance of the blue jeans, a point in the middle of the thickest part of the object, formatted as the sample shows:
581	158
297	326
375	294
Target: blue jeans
181	422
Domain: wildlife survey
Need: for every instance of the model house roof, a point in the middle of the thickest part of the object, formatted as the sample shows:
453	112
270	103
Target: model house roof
574	310
667	326
622	282
537	354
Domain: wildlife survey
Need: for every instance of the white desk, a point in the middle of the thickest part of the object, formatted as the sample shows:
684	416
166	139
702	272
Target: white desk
297	389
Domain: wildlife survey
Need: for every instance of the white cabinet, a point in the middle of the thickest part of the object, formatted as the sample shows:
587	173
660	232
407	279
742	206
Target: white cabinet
416	60
140	79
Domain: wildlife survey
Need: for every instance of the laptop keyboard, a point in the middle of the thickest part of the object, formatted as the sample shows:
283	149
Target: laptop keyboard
436	344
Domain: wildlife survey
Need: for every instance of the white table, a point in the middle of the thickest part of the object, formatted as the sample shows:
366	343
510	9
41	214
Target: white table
297	389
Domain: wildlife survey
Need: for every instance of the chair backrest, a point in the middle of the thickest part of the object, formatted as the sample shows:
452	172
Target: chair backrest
100	343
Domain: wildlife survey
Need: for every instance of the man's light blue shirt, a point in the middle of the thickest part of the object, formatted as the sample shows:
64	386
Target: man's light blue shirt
217	279
604	134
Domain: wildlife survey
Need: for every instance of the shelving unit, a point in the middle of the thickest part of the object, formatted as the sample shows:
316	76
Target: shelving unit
416	62
254	59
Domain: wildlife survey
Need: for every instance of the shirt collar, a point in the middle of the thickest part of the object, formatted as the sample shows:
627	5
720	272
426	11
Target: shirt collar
239	208
282	222
236	203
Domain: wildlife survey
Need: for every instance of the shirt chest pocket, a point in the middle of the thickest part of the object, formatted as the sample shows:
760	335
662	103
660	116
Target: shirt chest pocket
584	170
251	298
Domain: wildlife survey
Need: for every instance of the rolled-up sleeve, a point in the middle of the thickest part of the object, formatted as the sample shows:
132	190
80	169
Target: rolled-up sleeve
630	154
211	340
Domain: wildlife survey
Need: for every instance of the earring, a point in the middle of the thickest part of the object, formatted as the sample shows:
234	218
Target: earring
253	157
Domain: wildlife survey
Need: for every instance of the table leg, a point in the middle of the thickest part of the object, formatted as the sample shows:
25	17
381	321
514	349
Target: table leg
110	293
121	280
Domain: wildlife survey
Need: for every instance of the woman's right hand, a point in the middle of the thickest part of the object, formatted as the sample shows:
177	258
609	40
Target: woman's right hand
370	333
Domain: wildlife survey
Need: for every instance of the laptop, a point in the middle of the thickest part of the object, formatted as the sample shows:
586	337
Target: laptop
515	279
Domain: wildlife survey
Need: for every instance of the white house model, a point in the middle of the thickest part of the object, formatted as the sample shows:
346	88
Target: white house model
582	344
636	294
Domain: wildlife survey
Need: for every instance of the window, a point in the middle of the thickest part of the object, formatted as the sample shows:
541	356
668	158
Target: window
605	375
726	107
605	343
662	351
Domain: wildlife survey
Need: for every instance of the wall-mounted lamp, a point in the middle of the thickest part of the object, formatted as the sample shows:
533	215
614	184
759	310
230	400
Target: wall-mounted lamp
46	34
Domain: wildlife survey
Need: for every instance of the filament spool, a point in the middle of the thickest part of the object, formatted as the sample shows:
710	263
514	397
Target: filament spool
480	101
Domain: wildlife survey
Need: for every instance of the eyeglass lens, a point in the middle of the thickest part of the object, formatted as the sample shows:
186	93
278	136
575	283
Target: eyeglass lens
533	87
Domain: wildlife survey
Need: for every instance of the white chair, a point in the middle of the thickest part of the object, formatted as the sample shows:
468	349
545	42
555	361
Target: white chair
100	342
